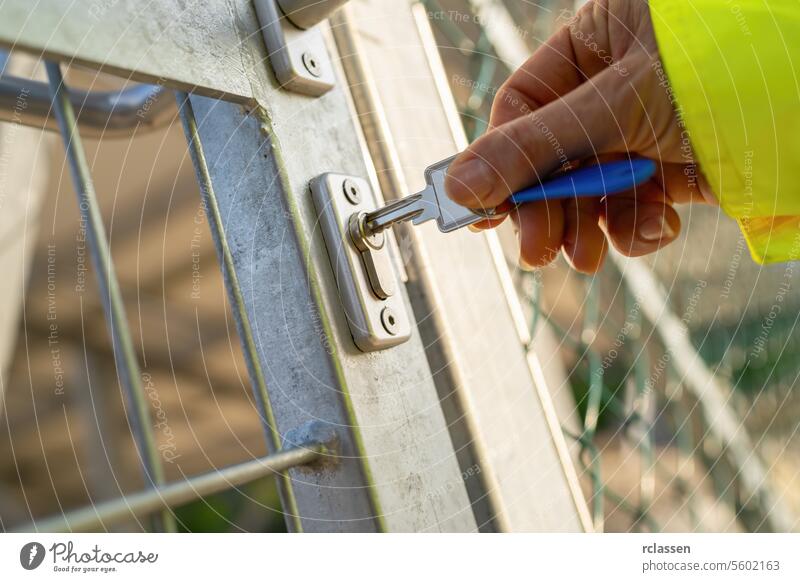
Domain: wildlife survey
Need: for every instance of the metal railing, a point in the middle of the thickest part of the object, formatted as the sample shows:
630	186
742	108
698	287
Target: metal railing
166	497
141	108
117	114
127	365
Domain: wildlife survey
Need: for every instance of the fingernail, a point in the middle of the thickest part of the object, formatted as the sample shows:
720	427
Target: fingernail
655	228
474	178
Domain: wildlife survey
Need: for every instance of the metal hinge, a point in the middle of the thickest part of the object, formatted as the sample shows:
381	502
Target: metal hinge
295	45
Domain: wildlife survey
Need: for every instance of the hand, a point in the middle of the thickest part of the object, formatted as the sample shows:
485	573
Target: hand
596	90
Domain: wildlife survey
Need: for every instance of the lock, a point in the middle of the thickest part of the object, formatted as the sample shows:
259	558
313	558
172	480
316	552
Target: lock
376	261
295	46
365	276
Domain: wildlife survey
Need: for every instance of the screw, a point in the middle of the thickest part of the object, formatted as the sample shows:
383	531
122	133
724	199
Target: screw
389	320
351	191
311	64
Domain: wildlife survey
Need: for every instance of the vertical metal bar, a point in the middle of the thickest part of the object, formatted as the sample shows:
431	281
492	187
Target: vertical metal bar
595	398
211	205
481	89
124	354
643	408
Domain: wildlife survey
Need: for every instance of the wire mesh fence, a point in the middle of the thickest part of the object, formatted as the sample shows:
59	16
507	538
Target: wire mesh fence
647	447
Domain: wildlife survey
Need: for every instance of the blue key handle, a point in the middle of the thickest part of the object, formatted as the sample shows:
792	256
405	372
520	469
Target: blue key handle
601	180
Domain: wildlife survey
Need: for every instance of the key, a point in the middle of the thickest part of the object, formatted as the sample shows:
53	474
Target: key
430	204
433	203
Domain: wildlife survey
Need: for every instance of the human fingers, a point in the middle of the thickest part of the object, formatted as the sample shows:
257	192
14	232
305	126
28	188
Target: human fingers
523	151
540	228
584	242
640	222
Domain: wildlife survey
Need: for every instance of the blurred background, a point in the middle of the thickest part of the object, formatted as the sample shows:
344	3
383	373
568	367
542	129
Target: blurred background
636	415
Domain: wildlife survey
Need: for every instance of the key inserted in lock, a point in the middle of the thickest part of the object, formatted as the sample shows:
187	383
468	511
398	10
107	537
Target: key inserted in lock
377	261
367	282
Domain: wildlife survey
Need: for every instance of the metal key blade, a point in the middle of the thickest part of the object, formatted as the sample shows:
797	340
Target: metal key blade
430	204
393	213
427	205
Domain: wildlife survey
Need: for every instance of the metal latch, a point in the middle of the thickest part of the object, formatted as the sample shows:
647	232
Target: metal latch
295	45
366	279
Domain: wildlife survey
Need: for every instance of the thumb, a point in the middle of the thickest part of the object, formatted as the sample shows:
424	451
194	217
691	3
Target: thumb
527	149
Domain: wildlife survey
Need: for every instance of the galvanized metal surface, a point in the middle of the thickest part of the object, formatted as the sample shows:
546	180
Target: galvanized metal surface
243	326
299	58
398	451
194	46
141	108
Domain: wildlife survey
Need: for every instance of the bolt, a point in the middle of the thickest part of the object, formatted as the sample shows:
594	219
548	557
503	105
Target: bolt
389	320
311	63
351	191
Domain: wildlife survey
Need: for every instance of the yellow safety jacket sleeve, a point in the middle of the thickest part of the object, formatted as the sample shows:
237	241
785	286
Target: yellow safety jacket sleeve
734	67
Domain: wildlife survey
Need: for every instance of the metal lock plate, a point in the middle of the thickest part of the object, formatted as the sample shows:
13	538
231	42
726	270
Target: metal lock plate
298	57
367	282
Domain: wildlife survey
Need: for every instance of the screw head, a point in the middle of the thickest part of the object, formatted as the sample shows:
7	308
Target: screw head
389	321
312	64
351	191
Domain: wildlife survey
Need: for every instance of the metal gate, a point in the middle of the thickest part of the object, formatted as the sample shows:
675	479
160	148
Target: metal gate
434	434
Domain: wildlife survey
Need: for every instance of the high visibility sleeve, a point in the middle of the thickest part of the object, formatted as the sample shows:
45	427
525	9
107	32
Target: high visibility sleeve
734	68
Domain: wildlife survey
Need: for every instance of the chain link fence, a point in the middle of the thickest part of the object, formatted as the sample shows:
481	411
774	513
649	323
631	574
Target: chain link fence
644	425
